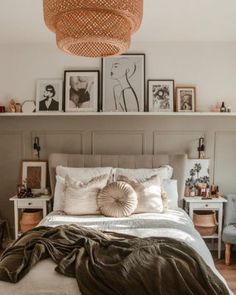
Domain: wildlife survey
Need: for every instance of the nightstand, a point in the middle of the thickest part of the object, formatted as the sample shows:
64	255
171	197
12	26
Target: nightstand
197	203
41	202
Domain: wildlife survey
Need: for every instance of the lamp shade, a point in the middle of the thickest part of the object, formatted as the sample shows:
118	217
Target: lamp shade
93	28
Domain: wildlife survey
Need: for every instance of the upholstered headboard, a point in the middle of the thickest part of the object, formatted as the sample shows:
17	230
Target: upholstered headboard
178	162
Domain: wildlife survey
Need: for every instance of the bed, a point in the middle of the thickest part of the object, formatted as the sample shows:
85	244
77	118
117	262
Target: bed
174	223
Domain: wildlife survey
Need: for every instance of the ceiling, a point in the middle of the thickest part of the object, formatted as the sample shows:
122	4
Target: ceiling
164	20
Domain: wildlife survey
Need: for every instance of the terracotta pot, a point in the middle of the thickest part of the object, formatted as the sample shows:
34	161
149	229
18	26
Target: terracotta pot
205	222
30	219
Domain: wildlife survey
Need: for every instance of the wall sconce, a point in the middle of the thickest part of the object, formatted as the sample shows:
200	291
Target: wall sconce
37	147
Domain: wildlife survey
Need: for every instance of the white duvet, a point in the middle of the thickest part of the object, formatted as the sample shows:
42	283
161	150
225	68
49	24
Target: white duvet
43	280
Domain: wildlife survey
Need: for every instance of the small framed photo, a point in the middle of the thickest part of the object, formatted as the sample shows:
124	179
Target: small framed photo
34	175
49	95
123	83
185	99
161	95
81	91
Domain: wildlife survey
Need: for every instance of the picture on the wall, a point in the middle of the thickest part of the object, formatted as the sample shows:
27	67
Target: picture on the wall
185	99
49	95
124	83
161	95
81	91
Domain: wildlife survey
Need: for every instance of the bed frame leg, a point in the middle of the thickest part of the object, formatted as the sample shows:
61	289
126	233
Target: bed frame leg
227	253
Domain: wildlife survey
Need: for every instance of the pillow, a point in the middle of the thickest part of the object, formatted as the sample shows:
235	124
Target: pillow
82	174
149	193
80	198
117	199
171	189
165	172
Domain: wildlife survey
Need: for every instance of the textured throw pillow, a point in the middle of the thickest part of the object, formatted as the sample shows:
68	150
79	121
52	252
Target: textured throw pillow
80	198
117	199
83	174
149	193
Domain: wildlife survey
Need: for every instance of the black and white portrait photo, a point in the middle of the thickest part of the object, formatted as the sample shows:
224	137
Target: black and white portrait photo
81	91
49	96
123	83
186	99
161	95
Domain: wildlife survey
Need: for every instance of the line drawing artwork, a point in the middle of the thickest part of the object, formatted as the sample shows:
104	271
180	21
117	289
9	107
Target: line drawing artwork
124	94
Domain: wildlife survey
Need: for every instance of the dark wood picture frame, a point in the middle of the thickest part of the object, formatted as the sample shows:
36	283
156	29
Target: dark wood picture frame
189	105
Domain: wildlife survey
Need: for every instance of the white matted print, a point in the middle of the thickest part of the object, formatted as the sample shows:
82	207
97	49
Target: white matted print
124	83
49	95
81	91
185	99
161	95
34	174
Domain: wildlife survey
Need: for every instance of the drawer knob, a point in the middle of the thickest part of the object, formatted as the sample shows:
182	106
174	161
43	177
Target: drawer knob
29	204
206	205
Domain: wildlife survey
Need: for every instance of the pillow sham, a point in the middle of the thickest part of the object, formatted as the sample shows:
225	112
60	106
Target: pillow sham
171	189
149	193
82	174
164	172
117	199
80	198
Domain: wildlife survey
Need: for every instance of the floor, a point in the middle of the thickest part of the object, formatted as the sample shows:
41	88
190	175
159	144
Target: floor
228	272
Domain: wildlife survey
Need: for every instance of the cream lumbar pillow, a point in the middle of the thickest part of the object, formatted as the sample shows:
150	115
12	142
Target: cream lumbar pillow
80	198
149	192
117	199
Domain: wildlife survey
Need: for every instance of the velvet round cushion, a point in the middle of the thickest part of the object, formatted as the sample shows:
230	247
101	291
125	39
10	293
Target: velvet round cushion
117	199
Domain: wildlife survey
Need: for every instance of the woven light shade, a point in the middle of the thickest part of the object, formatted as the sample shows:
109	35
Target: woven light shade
93	28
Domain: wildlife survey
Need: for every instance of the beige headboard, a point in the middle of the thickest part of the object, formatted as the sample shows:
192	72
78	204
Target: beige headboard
178	162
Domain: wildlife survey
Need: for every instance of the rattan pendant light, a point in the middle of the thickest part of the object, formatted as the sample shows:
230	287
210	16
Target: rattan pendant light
93	28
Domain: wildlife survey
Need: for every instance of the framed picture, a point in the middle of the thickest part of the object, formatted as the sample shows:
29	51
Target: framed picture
197	175
185	99
49	95
161	95
34	175
81	91
123	83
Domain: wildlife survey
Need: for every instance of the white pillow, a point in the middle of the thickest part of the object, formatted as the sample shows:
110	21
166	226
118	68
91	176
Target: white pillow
82	174
164	172
171	189
81	198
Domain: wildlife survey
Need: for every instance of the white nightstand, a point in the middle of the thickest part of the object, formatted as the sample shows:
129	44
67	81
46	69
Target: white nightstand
197	203
29	203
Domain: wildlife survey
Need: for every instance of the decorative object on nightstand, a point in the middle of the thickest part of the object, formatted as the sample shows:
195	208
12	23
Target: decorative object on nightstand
197	180
34	174
40	202
229	231
192	204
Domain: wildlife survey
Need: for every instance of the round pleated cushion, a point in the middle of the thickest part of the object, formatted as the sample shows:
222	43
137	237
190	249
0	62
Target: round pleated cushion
117	199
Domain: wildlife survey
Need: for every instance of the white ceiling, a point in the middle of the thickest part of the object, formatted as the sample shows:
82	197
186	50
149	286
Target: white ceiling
21	21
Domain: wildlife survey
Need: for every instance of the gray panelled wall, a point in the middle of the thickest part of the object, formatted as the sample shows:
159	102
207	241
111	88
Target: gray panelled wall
115	135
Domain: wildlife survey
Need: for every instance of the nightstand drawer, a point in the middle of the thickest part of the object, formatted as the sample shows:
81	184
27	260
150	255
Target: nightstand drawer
30	204
205	205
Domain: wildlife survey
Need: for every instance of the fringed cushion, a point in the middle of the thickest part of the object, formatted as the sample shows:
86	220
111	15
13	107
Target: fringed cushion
117	199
